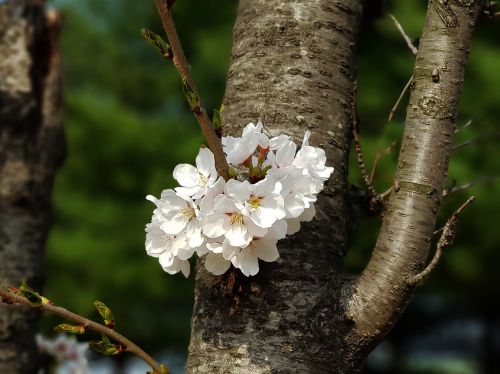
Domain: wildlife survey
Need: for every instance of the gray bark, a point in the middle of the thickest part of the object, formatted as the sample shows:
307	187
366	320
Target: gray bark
292	67
385	287
31	149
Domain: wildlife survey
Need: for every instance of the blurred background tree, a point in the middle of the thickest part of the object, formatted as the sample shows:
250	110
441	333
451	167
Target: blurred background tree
128	126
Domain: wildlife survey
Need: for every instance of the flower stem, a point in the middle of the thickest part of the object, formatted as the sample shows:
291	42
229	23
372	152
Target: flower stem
70	316
180	62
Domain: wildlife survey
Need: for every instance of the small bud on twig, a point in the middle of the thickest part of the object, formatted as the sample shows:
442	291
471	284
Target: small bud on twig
105	347
158	42
106	314
70	329
192	97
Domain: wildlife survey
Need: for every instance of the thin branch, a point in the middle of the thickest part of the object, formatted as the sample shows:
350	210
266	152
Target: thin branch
180	62
479	139
401	95
386	193
357	143
378	157
467	124
447	237
70	316
469	185
374	167
407	39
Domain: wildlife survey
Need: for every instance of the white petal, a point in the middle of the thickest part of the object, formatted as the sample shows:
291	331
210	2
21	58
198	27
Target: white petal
265	249
248	262
187	191
237	235
215	247
167	260
285	155
185	254
185	268
205	162
238	191
294	206
308	214
216	264
278	141
193	234
187	175
263	187
207	203
228	251
293	226
179	243
254	229
153	199
263	217
279	229
174	222
223	204
215	225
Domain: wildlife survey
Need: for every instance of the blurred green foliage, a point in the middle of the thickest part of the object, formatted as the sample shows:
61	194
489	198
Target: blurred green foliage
127	126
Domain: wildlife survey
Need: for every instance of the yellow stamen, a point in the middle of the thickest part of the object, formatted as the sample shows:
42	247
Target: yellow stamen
254	201
236	219
188	212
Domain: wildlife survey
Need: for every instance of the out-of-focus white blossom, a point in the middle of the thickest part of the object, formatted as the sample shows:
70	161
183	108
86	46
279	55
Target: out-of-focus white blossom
69	354
240	221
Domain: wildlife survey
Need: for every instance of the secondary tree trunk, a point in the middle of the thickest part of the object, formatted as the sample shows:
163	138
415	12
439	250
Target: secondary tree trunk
292	67
385	287
31	149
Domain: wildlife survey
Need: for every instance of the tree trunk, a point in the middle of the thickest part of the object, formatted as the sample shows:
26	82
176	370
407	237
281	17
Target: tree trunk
31	149
385	287
292	67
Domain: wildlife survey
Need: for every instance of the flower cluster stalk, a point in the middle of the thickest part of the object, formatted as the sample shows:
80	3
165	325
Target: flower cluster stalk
180	62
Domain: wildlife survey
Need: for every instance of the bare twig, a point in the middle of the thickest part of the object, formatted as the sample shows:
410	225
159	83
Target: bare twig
357	144
479	139
401	95
386	193
407	39
469	185
467	124
70	316
180	62
445	240
378	157
374	167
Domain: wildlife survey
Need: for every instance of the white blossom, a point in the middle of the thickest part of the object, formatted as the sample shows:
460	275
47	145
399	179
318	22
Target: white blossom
313	160
176	214
240	149
263	248
229	221
240	221
195	181
67	351
261	201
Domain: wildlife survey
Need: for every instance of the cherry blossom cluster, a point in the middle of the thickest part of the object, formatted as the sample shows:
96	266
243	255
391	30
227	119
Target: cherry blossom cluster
273	187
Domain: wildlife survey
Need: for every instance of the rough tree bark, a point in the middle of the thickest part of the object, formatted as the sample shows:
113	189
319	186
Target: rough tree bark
385	287
31	149
292	67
